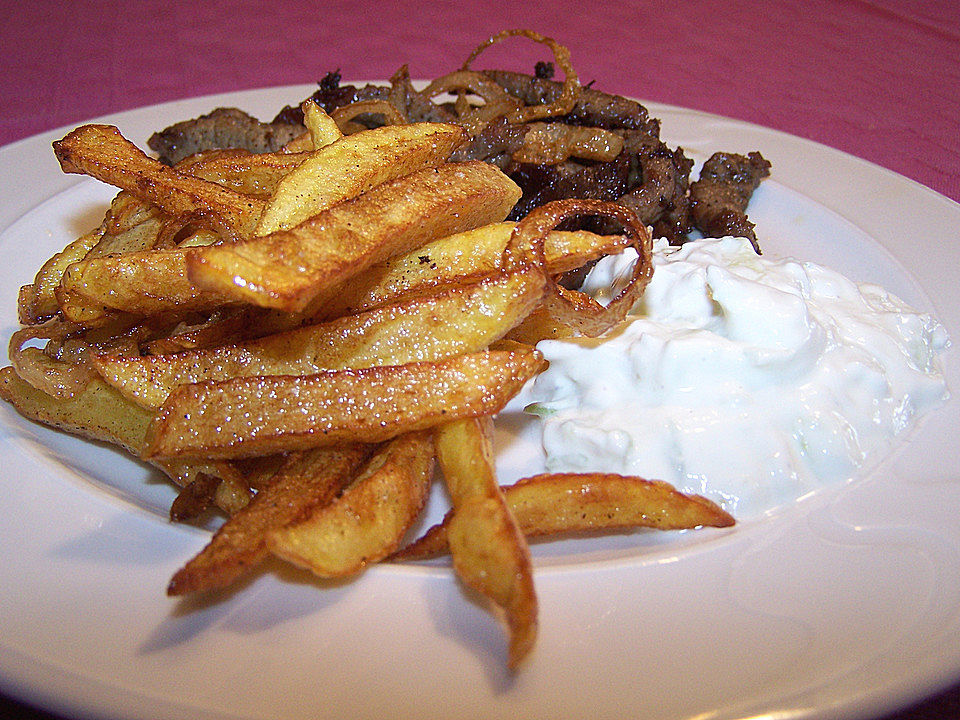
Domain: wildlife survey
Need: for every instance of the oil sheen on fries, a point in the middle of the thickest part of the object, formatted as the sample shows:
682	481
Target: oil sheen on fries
288	268
368	520
263	415
422	328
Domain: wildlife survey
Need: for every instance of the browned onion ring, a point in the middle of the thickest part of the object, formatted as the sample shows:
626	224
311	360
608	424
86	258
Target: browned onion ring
575	309
497	100
344	115
59	379
569	92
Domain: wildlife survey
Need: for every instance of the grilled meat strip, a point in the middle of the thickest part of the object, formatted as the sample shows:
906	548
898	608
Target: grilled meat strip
648	176
222	128
719	198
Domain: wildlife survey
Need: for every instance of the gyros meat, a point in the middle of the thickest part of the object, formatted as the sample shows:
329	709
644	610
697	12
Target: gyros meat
502	111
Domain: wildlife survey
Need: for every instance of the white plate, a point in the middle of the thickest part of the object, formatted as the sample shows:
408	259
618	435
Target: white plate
846	604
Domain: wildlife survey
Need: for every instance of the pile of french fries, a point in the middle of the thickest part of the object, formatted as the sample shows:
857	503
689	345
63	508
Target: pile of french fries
297	337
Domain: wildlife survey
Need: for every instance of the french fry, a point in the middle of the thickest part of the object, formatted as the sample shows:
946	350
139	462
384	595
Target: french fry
287	269
263	415
148	282
37	300
344	169
306	481
453	258
489	551
369	519
99	412
103	153
552	504
323	129
255	174
424	328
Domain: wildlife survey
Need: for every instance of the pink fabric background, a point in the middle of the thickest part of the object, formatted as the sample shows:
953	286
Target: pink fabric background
876	78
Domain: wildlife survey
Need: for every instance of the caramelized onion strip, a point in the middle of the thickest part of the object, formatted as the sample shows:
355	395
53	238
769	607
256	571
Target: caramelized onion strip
496	101
50	375
569	307
570	90
344	116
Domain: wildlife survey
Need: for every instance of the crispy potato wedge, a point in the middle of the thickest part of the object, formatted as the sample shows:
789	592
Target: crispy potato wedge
99	412
458	319
149	282
37	300
255	174
306	481
103	153
322	128
287	269
453	258
552	504
351	165
488	549
368	521
263	415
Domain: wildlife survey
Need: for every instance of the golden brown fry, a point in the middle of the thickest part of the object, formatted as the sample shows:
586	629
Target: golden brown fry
367	522
306	481
287	269
353	165
552	504
263	415
37	301
322	128
103	153
489	551
255	174
99	412
459	319
141	283
453	258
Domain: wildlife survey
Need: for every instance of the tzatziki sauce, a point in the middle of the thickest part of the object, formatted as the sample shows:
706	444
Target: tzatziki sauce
749	380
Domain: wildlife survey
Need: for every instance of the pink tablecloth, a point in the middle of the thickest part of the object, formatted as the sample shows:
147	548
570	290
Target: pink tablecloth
877	78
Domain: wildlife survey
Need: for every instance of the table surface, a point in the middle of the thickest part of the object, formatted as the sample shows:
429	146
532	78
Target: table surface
879	79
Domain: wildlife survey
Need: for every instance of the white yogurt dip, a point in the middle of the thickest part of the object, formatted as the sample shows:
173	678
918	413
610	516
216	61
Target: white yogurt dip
749	380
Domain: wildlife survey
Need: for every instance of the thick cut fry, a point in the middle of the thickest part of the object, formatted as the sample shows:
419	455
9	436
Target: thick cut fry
552	504
459	319
489	551
473	252
287	269
352	165
37	301
99	412
323	129
256	174
103	153
263	415
306	481
140	283
368	521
